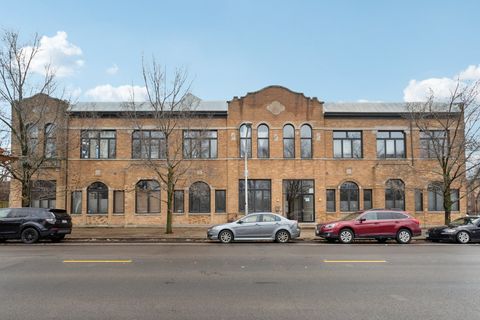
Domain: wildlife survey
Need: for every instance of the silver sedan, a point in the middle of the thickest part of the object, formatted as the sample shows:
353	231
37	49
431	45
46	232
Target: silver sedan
256	226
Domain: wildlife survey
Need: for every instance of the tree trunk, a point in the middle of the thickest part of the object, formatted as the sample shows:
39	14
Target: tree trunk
26	194
170	194
447	204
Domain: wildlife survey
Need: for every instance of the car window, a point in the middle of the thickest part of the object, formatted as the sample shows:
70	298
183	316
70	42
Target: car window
268	218
277	218
398	215
250	218
4	213
370	216
18	213
385	215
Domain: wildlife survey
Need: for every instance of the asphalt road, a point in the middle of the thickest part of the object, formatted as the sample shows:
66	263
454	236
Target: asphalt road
239	281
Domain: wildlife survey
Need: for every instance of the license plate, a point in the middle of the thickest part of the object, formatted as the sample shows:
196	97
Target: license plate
64	221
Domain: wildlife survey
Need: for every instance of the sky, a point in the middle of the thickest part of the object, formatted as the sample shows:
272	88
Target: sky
334	50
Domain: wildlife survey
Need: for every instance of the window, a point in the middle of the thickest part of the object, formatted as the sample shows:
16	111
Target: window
199	195
370	216
349	199
263	147
454	195
200	144
76	202
147	196
43	194
418	200
435	198
347	144
50	141
118	201
306	142
259	195
97	198
220	201
331	200
390	144
32	136
298	200
148	145
269	218
367	199
245	140
178	201
252	218
288	141
98	144
395	194
433	143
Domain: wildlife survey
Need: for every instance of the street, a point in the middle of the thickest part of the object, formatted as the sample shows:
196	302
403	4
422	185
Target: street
239	281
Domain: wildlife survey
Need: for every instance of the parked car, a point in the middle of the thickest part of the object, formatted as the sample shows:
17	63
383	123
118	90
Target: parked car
256	226
32	224
380	224
462	230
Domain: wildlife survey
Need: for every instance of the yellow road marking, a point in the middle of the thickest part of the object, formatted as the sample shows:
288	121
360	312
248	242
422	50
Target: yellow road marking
97	261
354	261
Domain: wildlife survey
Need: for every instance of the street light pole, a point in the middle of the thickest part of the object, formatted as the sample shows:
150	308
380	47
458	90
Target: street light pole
248	126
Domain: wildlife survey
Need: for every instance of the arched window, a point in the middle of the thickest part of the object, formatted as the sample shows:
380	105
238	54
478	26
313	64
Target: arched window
395	194
147	194
32	136
306	141
288	141
349	199
263	147
50	140
199	195
245	140
97	198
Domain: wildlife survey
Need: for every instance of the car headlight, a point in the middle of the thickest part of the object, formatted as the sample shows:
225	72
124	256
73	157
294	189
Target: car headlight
330	226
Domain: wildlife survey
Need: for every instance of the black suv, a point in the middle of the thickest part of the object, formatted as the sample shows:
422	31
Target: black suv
32	224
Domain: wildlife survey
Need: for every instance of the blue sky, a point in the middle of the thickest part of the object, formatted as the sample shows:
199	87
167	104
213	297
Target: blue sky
334	50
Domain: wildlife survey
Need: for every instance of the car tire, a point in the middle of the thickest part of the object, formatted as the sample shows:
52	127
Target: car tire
29	235
225	236
346	236
57	238
463	237
382	240
404	236
282	236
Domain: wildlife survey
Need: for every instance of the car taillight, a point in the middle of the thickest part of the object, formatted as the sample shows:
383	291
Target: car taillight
51	220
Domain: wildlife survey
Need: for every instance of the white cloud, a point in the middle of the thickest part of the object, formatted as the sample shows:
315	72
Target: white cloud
112	70
108	92
62	56
441	88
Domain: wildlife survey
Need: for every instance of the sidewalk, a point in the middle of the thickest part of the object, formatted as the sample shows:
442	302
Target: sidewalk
157	234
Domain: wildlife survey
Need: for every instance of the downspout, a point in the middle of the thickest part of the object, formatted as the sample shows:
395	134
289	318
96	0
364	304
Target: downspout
66	158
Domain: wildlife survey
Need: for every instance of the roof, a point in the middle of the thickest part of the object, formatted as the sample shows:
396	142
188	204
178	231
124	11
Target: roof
205	106
392	108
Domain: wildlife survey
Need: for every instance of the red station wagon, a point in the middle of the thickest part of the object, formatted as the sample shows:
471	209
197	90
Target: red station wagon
377	224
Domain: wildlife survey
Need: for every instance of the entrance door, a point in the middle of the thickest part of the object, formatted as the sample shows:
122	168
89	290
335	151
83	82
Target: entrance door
307	208
299	200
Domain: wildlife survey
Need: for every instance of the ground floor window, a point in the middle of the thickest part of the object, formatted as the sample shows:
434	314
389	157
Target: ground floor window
418	200
97	198
43	194
395	194
76	202
349	199
259	195
147	196
199	198
331	200
220	201
118	201
298	199
178	201
367	199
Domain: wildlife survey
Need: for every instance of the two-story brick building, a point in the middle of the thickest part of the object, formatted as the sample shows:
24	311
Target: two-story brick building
308	160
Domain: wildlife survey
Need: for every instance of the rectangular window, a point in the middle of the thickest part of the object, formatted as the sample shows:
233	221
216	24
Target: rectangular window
259	195
390	144
43	193
331	200
454	195
220	201
347	144
418	200
367	199
200	144
118	201
98	144
178	201
148	145
433	143
76	202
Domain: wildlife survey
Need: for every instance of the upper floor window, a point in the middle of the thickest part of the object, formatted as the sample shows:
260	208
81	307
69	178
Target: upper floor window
98	144
306	141
433	143
245	140
50	141
263	147
200	144
148	145
390	144
32	136
347	144
288	141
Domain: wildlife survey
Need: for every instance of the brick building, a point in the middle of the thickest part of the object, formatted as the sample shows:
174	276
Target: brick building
308	160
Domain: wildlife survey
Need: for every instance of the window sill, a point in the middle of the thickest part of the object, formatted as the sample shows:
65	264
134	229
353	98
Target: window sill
199	213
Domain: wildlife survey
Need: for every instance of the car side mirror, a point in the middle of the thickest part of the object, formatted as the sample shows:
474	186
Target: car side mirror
240	221
362	219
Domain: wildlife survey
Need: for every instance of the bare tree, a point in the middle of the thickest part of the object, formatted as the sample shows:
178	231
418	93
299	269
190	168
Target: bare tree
450	135
29	122
161	123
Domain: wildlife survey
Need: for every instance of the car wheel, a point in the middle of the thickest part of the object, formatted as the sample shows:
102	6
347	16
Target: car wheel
381	240
225	236
404	236
29	235
57	238
463	237
282	236
346	236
